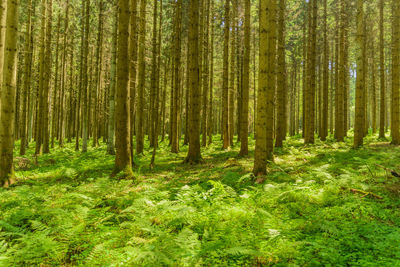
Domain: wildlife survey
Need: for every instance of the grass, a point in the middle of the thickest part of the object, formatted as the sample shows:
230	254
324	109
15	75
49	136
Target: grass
65	210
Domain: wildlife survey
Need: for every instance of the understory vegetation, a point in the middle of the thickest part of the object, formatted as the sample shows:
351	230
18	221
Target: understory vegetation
320	205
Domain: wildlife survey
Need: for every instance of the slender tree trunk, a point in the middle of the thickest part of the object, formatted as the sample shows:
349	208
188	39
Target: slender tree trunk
177	79
111	118
86	110
232	64
133	56
3	17
211	89
395	109
225	80
153	75
194	154
340	79
281	79
359	120
141	80
244	122
382	115
266	87
40	99
122	112
7	95
27	78
310	92
205	122
55	87
325	90
46	88
97	83
373	88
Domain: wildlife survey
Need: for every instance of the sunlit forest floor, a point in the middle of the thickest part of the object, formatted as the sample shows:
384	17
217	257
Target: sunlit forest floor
66	210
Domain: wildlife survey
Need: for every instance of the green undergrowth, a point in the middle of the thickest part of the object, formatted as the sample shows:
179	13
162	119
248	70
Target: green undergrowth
65	210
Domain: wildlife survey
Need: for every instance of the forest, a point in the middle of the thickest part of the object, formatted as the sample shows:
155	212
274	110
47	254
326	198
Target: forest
199	133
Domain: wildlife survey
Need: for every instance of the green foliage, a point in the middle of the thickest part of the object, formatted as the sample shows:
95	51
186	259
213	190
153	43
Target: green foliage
66	210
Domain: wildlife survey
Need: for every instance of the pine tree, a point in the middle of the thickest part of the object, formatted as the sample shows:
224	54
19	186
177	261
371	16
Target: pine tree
382	114
310	91
395	109
177	79
111	119
122	111
359	120
27	78
141	80
85	81
194	154
244	123
325	90
8	92
225	79
281	95
266	87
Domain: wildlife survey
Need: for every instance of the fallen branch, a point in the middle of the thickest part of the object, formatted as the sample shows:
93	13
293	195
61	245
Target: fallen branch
392	172
358	191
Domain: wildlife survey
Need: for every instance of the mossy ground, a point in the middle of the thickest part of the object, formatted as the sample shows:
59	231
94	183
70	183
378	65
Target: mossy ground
65	210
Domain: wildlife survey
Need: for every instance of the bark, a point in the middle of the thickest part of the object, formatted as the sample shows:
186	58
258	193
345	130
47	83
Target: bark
27	78
281	126
141	80
211	89
325	89
97	84
382	115
232	64
111	119
266	90
177	79
55	87
133	50
360	113
205	122
122	111
8	92
395	108
310	92
86	113
225	80
194	154
244	122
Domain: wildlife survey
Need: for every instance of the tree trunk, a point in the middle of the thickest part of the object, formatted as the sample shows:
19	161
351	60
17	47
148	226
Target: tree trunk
359	120
325	90
141	80
244	121
382	115
194	154
27	78
7	95
177	79
122	111
205	122
225	80
266	87
111	118
211	89
85	114
310	92
395	109
281	78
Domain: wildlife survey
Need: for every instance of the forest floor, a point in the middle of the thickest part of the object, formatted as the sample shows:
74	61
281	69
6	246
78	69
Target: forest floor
65	210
